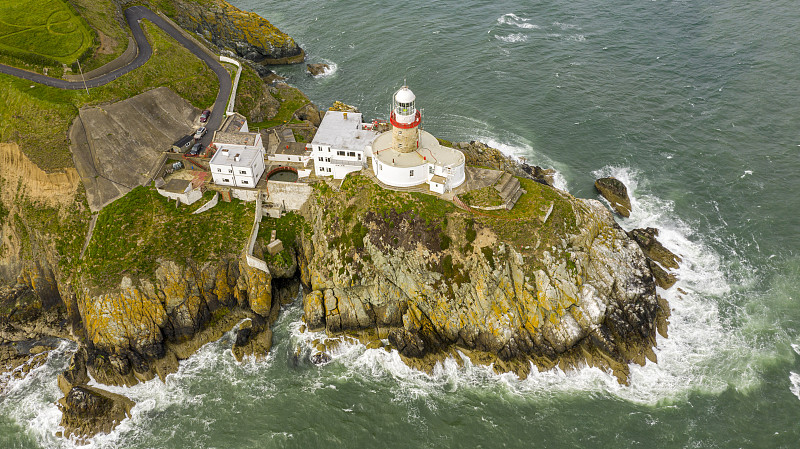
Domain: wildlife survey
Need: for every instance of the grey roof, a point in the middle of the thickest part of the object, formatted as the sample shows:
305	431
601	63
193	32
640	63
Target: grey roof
176	185
233	123
343	133
228	157
235	138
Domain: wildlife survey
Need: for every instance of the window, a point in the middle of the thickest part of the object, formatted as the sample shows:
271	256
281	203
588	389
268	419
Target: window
321	159
430	169
340	153
327	159
351	153
329	169
242	172
226	180
219	170
359	156
411	173
245	182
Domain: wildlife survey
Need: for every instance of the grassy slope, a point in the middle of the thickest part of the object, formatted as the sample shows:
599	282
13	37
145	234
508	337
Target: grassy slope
291	100
45	28
136	230
38	118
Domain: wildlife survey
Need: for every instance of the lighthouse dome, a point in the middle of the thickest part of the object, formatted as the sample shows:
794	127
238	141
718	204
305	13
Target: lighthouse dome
404	95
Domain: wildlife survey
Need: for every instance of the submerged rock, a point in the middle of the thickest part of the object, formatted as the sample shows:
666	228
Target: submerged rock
616	193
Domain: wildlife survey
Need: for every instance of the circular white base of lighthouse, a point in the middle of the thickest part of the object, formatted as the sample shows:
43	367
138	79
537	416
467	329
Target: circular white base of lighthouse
430	163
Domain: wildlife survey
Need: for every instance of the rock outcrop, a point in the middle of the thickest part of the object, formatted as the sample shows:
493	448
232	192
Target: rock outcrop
660	258
616	193
246	34
480	154
572	290
142	329
86	411
317	69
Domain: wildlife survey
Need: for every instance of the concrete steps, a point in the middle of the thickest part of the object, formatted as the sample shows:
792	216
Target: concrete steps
509	189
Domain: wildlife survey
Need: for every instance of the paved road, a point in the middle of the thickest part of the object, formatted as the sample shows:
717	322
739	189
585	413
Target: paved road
133	15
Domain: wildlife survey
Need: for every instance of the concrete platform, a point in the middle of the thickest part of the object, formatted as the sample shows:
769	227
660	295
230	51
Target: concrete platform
116	147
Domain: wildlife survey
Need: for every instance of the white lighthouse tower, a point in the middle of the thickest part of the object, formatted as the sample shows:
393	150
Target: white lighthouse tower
405	119
407	156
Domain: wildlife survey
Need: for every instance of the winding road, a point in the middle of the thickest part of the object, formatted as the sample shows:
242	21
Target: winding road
133	15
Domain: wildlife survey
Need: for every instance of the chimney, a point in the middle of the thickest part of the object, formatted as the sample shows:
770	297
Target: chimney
236	158
345	115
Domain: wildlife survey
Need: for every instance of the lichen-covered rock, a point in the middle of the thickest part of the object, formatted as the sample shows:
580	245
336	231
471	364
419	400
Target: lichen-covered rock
144	327
87	411
616	193
247	34
570	291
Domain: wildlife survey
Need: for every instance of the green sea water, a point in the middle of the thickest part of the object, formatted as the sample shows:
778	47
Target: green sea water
694	105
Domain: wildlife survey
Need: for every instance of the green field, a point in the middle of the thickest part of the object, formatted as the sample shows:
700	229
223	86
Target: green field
41	31
38	117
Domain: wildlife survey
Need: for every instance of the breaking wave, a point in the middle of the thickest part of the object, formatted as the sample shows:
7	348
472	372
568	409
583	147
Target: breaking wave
514	37
515	20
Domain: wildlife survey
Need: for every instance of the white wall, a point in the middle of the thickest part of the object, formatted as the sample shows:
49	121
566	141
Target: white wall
401	177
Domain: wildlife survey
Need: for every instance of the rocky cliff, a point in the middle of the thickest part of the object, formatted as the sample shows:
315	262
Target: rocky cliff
555	281
246	34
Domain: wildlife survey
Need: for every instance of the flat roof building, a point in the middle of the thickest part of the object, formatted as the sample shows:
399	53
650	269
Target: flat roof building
342	144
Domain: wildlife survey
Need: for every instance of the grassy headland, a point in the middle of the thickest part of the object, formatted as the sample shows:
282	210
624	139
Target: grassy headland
137	230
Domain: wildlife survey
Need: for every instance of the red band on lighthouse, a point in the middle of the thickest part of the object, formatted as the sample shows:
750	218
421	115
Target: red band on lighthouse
416	122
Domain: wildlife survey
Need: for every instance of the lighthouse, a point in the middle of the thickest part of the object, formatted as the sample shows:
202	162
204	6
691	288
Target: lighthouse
407	156
405	119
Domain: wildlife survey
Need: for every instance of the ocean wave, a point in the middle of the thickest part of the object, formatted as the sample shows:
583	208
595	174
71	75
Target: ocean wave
514	37
794	378
515	20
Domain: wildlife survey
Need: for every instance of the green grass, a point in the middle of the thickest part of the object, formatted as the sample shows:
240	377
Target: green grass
288	228
38	118
291	100
101	16
41	30
485	197
135	231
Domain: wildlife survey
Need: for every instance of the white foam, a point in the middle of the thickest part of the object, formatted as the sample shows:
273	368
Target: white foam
517	21
794	378
328	71
513	37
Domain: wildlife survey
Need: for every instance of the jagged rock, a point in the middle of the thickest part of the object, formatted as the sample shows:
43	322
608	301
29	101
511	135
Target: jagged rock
653	249
616	193
75	374
87	411
309	112
480	154
316	69
247	34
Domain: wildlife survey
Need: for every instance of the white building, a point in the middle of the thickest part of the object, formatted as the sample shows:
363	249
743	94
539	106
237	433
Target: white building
238	160
341	144
408	156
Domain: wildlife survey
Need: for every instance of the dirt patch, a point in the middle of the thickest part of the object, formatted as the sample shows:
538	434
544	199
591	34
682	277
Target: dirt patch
107	44
51	188
115	147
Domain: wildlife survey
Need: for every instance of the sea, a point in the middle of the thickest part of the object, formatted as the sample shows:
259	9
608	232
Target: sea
694	105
